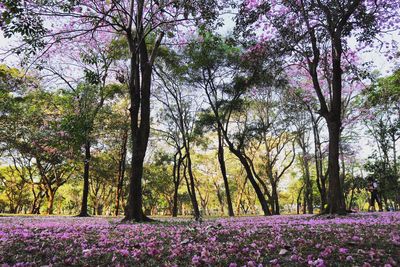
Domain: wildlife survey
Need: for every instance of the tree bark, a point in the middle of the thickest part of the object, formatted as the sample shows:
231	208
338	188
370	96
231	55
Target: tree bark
308	194
221	159
192	185
275	198
336	203
50	202
85	195
177	181
259	193
321	179
298	204
121	170
141	64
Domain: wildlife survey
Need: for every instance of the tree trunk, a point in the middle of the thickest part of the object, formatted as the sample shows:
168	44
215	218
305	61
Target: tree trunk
135	199
219	197
121	170
50	202
39	203
394	153
351	199
221	159
140	129
240	195
308	194
298	204
275	198
175	201
84	205
36	200
192	186
318	163
177	180
141	65
259	193
336	203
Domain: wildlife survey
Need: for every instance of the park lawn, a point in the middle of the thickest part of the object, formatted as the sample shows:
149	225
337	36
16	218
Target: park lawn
364	239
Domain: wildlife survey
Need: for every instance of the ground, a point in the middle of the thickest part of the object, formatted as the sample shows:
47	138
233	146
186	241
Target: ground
371	239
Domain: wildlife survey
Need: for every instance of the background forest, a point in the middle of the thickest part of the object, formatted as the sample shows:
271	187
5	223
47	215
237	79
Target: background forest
235	125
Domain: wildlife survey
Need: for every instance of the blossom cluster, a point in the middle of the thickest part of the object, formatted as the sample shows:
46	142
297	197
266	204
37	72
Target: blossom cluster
354	240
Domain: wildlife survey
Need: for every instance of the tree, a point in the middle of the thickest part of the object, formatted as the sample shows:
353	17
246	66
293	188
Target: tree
180	109
143	24
16	188
270	137
314	33
225	80
381	100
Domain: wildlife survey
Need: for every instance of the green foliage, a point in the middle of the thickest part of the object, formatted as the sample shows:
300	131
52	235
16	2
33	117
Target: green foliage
385	90
16	20
158	186
386	176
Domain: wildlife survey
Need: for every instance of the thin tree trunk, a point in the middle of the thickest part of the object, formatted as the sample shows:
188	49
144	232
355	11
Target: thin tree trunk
84	205
221	159
298	204
240	196
394	154
175	201
219	197
192	186
308	194
177	180
121	170
321	179
50	202
351	199
260	195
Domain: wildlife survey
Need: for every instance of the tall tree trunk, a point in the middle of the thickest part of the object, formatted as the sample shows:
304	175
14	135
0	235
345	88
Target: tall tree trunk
175	201
141	64
321	179
192	185
121	170
308	194
221	159
84	204
140	128
275	198
336	202
310	208
342	168
177	180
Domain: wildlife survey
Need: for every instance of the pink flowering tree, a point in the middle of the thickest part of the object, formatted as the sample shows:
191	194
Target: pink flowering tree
316	35
143	24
